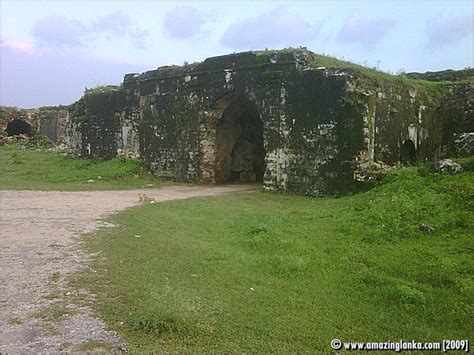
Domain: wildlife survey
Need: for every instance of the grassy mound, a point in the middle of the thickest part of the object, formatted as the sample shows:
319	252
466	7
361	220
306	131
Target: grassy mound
267	272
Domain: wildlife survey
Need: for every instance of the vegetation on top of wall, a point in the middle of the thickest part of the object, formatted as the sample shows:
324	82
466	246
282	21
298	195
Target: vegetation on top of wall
9	107
466	74
50	112
101	89
381	78
321	60
374	75
435	84
14	109
54	108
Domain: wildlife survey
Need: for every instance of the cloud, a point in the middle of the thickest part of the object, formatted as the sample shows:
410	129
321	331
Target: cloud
445	32
63	32
272	29
119	25
365	31
116	23
21	47
184	22
59	31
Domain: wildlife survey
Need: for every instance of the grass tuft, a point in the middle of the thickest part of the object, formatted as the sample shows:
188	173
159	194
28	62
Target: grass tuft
55	313
15	321
93	345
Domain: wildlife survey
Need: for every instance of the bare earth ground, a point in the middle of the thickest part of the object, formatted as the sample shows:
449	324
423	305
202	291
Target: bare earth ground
39	248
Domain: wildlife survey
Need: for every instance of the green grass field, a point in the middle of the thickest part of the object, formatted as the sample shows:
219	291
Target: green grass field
275	273
40	169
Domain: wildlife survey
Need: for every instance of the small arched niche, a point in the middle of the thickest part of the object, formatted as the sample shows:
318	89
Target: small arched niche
17	127
240	153
408	152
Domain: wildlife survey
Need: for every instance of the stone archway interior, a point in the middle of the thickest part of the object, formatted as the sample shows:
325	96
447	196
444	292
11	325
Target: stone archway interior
408	152
17	127
240	154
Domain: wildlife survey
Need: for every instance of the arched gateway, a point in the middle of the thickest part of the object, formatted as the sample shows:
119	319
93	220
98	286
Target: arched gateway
236	128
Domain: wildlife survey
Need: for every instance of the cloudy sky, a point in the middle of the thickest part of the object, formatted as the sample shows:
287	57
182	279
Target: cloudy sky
51	51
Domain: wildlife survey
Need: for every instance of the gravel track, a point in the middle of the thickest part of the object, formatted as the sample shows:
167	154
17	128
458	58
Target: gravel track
40	247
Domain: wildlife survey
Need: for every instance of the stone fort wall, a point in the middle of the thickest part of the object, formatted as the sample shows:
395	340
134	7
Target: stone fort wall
321	127
273	116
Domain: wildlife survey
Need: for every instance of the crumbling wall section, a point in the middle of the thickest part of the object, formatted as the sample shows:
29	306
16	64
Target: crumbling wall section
73	137
397	114
400	114
456	111
9	114
48	121
429	117
52	123
95	124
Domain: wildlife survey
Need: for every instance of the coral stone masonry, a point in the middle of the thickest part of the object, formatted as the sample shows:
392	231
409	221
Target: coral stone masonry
277	117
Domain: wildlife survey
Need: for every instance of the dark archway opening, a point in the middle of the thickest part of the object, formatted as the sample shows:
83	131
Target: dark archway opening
240	153
408	152
17	127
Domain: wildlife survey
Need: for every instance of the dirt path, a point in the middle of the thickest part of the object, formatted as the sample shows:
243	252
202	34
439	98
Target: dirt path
38	249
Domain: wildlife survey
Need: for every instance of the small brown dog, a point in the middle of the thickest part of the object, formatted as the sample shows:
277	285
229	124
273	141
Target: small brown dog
145	199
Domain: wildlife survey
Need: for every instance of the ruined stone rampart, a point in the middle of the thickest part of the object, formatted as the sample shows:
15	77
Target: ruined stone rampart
47	121
270	116
430	117
26	120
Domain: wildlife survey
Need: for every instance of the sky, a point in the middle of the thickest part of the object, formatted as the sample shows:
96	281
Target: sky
52	50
